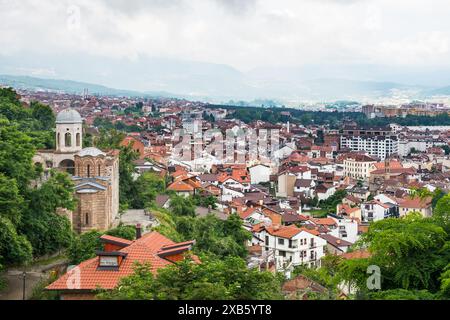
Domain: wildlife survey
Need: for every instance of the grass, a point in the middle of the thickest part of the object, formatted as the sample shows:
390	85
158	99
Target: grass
48	260
322	213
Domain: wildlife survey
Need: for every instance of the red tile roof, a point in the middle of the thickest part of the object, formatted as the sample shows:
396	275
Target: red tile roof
87	276
288	232
359	254
180	186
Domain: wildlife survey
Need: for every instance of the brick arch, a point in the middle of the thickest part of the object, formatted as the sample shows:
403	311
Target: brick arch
99	166
67	165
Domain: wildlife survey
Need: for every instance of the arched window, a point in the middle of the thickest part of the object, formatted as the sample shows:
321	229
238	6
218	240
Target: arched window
68	166
89	170
99	171
78	139
58	140
68	140
86	219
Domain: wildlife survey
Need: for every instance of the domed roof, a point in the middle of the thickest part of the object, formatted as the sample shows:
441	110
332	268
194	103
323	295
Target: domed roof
69	116
93	152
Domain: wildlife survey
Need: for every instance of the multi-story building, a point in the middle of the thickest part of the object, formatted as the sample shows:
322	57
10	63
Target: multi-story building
357	166
378	142
292	246
376	210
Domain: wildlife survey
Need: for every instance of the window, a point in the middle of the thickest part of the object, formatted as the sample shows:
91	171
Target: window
78	139
109	262
99	170
282	253
86	219
68	140
58	140
267	240
281	241
89	170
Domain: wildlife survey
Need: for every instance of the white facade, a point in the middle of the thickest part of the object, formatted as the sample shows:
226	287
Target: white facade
406	145
357	169
375	211
260	173
347	229
377	146
69	131
302	249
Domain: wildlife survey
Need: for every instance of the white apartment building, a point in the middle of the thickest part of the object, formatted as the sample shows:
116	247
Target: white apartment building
376	146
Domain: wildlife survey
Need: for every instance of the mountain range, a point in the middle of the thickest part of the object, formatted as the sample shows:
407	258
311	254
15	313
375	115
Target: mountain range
220	83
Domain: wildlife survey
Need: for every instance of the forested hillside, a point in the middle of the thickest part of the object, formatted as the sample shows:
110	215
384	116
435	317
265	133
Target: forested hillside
29	225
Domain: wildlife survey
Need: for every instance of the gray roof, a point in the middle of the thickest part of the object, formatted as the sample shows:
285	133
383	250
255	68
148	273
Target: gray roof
335	242
68	116
303	183
161	199
93	152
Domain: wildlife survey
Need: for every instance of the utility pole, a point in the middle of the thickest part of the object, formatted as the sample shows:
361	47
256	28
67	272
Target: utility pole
24	279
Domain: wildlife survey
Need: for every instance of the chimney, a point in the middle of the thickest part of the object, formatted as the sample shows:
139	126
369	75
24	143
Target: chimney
138	231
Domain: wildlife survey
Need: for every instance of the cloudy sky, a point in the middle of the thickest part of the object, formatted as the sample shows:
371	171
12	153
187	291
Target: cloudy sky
350	38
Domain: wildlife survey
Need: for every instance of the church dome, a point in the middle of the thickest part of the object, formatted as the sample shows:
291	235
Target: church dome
93	152
69	116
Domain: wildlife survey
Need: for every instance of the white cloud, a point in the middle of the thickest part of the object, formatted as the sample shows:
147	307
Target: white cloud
243	34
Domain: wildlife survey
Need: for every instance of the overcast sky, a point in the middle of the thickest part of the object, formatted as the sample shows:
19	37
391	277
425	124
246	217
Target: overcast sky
243	34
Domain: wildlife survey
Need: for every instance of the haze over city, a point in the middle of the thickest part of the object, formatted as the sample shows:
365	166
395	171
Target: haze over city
220	50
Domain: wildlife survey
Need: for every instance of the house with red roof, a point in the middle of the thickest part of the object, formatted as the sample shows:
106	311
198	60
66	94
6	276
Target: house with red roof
116	261
416	204
290	246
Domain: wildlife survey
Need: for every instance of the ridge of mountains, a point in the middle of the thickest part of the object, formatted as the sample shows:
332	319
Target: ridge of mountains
276	91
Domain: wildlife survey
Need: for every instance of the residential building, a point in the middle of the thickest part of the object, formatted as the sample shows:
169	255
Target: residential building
358	166
116	262
378	142
375	210
292	246
417	204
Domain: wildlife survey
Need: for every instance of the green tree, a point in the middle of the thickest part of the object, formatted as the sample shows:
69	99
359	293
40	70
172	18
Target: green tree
47	231
11	201
16	153
123	231
44	115
182	206
441	213
147	186
127	184
14	248
211	280
409	251
83	247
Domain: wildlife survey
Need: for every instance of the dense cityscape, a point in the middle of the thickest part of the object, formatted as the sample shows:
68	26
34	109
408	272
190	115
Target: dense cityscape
224	159
303	201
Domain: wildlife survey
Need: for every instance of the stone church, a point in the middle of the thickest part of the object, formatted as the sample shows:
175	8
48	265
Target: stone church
94	173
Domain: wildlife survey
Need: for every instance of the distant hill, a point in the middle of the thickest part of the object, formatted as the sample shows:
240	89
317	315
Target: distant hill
444	91
72	87
286	93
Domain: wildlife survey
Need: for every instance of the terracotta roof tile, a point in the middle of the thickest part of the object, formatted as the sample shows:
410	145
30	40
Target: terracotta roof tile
144	250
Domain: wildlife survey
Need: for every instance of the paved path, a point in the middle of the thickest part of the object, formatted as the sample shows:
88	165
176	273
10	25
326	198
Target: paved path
14	280
133	217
